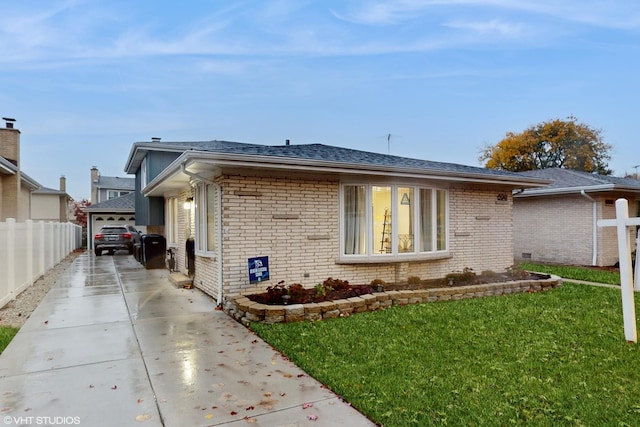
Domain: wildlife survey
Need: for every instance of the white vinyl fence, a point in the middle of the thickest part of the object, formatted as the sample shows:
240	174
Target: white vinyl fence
29	249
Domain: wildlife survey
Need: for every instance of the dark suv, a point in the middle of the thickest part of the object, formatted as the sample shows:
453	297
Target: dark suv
113	237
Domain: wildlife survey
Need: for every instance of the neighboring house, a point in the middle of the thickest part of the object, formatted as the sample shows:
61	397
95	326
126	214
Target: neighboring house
116	211
318	211
108	187
22	197
558	223
112	203
48	204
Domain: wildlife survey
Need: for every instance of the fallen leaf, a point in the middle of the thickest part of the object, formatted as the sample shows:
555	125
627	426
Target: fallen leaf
287	375
143	417
208	416
312	417
233	413
250	420
114	387
282	394
300	375
90	385
250	408
140	400
254	342
267	394
46	322
307	405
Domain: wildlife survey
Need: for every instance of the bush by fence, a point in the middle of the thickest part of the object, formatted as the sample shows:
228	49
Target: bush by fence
29	249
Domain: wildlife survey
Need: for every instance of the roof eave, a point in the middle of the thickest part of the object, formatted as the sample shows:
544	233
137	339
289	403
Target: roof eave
139	151
569	190
312	165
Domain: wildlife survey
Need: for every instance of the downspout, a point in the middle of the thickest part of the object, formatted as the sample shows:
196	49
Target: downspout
220	248
594	260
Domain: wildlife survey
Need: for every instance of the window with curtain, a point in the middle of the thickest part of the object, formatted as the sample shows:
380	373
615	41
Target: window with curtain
392	220
355	240
205	207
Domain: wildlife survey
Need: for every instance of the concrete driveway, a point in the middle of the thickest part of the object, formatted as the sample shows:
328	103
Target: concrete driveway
114	344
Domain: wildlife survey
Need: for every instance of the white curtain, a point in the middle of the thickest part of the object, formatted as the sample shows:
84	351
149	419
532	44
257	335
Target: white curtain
354	219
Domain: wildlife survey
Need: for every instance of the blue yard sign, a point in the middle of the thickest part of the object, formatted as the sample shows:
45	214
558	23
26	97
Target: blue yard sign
258	269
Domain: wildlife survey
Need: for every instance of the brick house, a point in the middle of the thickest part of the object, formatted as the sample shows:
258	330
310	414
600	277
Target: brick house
558	223
318	211
22	197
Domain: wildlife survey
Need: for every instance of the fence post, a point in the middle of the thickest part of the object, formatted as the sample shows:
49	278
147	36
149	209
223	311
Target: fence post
11	256
41	249
626	275
30	254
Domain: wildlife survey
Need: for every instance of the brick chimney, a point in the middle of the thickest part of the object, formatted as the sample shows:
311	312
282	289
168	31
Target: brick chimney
10	206
10	142
95	176
63	183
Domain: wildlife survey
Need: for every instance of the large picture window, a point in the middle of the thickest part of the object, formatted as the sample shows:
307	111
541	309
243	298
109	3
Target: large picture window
393	220
205	206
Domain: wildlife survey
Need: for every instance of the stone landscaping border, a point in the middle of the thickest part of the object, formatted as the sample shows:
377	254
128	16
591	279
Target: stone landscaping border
245	311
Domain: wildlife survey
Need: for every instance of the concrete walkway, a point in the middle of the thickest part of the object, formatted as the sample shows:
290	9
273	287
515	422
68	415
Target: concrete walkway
113	344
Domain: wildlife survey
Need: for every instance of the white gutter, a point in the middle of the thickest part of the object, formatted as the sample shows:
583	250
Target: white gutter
594	231
565	190
195	176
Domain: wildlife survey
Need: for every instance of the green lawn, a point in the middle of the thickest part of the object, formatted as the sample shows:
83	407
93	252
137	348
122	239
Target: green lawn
576	273
6	335
557	357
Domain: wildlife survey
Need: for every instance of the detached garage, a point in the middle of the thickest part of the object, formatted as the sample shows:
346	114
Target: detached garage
117	211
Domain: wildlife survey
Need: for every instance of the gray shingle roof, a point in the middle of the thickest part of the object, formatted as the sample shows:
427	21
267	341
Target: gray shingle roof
322	152
567	179
116	183
122	203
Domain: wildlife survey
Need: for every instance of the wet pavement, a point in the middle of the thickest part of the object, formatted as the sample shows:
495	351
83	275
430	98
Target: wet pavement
114	344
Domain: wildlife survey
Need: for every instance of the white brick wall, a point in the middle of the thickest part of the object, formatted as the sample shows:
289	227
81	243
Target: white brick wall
559	229
294	221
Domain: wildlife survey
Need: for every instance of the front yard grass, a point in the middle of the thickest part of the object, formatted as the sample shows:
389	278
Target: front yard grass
557	357
6	335
575	273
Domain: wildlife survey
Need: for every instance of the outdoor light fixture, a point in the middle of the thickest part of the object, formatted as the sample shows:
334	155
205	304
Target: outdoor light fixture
187	203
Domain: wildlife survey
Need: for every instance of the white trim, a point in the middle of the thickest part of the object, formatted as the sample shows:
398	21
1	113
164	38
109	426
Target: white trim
372	256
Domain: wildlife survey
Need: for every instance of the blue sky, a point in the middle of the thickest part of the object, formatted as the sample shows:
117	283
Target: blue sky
85	79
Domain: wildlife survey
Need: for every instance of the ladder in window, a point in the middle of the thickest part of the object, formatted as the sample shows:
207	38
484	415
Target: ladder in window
385	243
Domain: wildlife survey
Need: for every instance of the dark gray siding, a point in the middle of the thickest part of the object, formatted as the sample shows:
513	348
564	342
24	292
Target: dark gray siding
150	210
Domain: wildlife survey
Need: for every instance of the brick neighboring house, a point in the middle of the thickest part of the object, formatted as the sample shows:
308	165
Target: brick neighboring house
318	211
22	197
558	223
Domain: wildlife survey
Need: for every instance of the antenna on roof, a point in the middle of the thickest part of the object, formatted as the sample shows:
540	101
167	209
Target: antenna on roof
389	143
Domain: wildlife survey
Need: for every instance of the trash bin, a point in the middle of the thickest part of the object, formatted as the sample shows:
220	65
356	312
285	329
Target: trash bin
154	247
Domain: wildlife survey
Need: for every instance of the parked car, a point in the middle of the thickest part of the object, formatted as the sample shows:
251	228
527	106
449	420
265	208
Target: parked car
114	237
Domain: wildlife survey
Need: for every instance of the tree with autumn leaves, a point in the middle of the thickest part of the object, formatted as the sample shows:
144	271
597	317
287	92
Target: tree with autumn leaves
553	144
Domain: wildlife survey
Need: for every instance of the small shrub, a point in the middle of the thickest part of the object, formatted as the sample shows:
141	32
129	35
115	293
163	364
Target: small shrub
337	284
517	272
414	280
455	279
376	282
297	293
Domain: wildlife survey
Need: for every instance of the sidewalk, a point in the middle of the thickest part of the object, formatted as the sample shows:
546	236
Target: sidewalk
113	344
